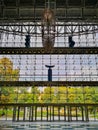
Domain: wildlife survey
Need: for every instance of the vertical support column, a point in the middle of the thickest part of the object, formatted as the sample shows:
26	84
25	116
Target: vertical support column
53	112
41	113
64	113
50	113
18	113
30	108
24	111
58	113
76	113
68	109
6	112
47	112
86	114
32	113
35	113
14	113
82	112
69	114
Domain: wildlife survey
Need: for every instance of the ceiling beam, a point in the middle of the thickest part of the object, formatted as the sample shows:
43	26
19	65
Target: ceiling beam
55	50
47	83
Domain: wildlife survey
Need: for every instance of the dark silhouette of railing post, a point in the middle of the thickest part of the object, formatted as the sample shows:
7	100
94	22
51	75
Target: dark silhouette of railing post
49	72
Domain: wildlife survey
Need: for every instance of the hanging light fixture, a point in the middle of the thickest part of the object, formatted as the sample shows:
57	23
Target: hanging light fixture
48	28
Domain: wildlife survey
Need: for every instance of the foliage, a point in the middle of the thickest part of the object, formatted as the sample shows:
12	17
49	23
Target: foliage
26	96
70	95
7	73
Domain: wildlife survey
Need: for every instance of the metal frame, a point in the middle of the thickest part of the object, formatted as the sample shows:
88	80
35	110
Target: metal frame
62	28
51	108
77	18
55	50
65	10
48	83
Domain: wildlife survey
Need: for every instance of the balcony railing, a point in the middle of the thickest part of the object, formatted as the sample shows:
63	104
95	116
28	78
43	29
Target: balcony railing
49	112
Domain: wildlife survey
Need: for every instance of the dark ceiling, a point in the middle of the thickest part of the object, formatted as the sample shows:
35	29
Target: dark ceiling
65	10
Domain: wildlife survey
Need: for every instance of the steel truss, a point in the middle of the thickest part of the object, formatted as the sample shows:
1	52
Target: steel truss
62	28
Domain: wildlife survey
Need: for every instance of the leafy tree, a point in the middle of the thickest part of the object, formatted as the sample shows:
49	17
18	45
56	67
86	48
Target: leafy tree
35	93
7	73
47	95
14	94
26	96
60	94
70	95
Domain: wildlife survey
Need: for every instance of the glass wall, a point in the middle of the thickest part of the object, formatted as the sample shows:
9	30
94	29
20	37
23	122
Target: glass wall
32	67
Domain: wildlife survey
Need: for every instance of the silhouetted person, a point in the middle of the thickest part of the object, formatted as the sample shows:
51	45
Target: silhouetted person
71	42
27	41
